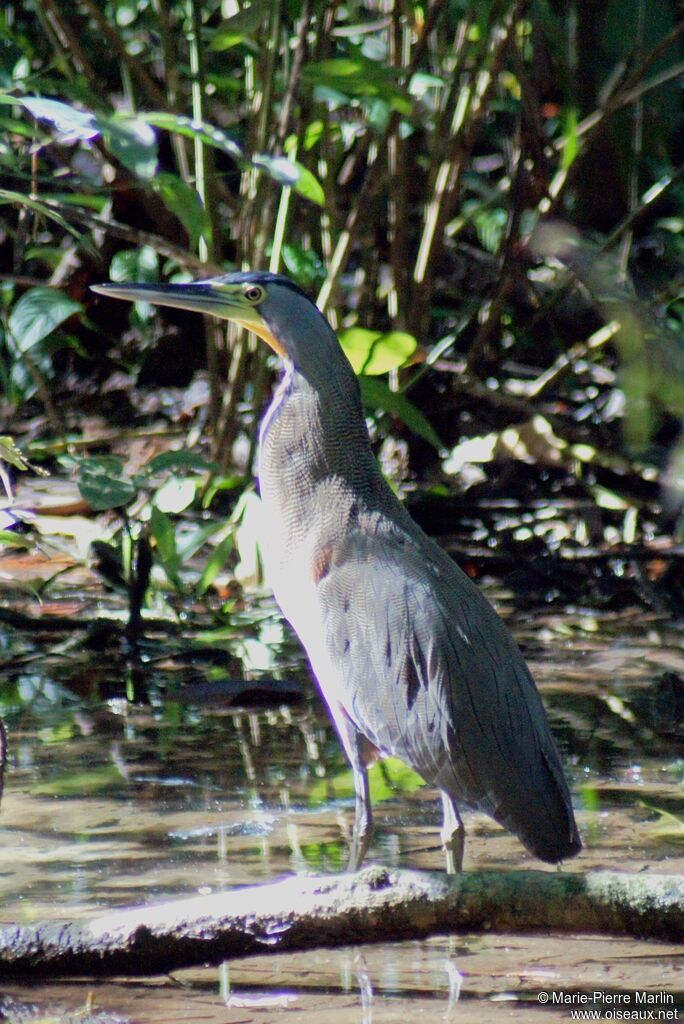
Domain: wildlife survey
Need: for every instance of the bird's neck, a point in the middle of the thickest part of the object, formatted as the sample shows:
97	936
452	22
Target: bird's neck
314	450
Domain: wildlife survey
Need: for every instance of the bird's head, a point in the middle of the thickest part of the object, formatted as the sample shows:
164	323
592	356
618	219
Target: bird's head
270	305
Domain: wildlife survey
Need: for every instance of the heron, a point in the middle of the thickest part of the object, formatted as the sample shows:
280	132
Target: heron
411	658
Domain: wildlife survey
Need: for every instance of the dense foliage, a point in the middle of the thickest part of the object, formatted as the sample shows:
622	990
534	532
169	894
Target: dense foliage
486	197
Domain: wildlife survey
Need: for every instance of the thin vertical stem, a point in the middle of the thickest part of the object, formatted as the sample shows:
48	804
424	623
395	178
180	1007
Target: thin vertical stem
207	247
636	147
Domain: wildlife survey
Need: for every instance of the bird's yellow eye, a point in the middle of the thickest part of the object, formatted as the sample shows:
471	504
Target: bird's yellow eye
254	293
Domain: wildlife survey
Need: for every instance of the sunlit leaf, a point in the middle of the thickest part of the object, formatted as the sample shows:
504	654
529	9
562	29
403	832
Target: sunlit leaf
280	168
669	826
245	23
175	495
308	185
605	498
291	173
38	313
11	454
70	122
372	352
386	778
570	139
472	450
164	535
15	540
376	395
190	129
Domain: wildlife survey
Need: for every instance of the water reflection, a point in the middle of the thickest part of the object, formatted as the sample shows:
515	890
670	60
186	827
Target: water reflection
110	802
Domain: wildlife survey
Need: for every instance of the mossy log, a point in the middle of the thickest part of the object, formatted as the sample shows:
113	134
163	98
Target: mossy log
373	905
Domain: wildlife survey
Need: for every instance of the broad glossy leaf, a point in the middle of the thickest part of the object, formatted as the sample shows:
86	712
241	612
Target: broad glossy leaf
293	174
184	202
308	185
304	264
132	141
102	485
372	352
38	313
280	168
74	124
191	129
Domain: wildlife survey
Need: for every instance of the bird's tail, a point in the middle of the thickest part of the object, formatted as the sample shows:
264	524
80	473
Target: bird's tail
542	816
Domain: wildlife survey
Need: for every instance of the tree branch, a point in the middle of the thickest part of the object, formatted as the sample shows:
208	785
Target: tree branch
374	905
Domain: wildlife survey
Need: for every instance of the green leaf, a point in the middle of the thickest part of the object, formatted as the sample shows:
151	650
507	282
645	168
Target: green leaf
74	124
179	460
190	129
161	528
184	202
38	313
372	352
308	185
132	141
292	174
11	454
135	265
359	76
102	485
15	540
216	562
304	264
190	542
8	196
570	139
129	139
386	779
280	168
245	23
376	395
175	495
14	457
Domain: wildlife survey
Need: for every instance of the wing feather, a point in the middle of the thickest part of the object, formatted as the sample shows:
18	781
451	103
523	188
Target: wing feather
429	673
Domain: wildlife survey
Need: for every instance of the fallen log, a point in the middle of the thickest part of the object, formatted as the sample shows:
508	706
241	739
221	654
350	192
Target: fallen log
373	905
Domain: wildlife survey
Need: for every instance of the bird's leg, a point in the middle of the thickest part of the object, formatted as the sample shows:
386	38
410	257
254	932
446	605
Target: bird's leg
453	836
363	815
360	753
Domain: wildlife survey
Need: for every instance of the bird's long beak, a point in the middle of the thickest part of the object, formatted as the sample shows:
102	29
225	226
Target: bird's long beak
199	297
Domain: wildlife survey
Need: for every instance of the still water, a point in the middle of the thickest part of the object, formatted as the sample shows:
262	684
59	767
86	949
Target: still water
135	779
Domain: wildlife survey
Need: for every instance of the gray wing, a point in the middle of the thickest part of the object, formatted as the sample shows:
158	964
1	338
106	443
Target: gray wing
430	673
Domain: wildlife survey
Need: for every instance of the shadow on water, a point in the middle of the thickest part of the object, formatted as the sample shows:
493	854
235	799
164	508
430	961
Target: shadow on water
132	780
